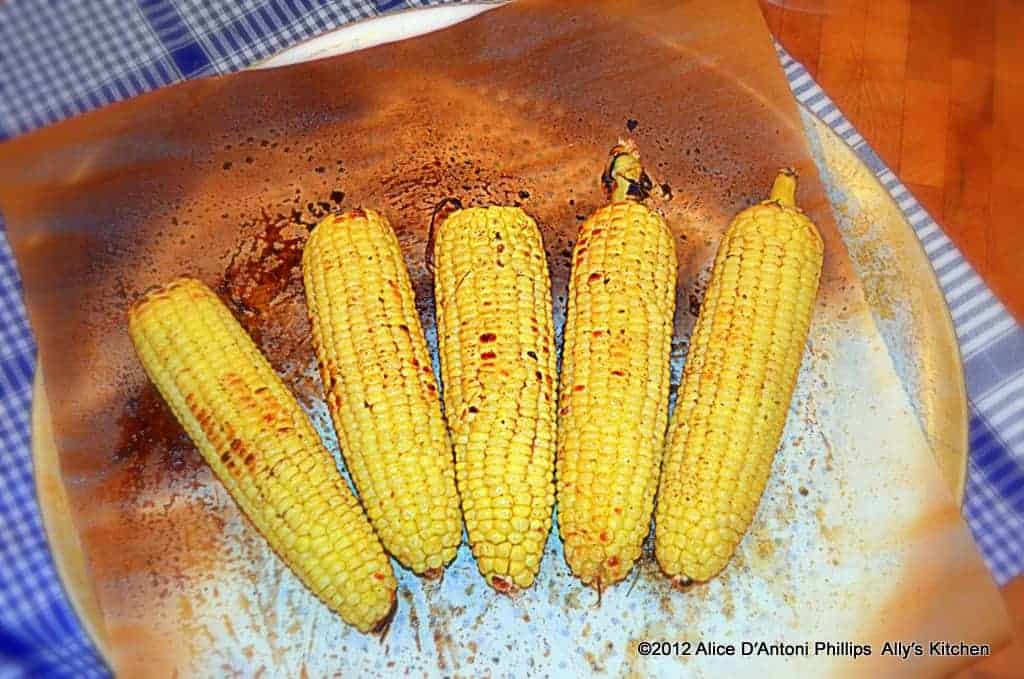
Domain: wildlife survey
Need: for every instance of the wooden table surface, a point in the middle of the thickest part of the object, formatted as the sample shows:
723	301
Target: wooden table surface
937	89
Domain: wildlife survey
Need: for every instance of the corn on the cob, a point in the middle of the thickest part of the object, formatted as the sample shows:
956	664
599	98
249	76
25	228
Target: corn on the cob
259	443
381	389
613	404
740	372
494	320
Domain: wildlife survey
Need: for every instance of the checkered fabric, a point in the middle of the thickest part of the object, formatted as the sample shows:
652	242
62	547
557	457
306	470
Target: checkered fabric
65	57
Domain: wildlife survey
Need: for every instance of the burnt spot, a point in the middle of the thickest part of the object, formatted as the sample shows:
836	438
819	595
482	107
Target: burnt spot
618	373
472	410
594	277
579	387
681	583
597	333
694	304
404	328
502	584
204	418
533	355
488	356
488	337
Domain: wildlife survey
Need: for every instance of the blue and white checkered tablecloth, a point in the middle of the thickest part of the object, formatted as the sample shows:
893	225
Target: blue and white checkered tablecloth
61	58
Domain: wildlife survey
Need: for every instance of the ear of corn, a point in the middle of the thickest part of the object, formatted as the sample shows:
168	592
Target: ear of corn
380	387
739	377
613	405
253	434
494	320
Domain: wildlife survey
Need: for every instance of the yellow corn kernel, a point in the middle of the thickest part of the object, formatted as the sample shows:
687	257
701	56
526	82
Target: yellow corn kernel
613	404
742	366
253	434
496	340
380	387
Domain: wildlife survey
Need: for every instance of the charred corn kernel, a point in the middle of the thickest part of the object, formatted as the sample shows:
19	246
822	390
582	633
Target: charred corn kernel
259	443
381	389
742	366
495	335
613	401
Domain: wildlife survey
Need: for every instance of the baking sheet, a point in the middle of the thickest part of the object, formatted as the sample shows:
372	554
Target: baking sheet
905	298
857	536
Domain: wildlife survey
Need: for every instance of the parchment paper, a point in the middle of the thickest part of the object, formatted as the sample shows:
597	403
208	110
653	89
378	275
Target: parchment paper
857	538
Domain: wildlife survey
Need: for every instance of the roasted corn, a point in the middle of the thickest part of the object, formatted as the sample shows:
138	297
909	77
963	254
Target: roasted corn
613	404
380	387
739	377
495	335
259	443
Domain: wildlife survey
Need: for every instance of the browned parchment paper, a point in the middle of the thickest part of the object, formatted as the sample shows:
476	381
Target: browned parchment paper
221	178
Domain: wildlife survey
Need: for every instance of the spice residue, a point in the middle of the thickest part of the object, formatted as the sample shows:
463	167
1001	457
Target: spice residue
149	431
263	267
